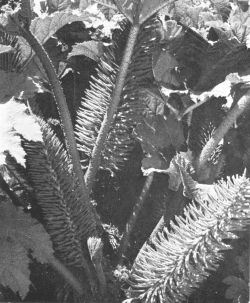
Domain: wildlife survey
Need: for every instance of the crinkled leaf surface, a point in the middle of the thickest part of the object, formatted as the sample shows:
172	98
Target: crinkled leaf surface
44	28
20	233
14	120
18	85
90	49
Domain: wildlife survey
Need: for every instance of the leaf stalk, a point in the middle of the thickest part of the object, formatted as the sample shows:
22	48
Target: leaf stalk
61	105
111	110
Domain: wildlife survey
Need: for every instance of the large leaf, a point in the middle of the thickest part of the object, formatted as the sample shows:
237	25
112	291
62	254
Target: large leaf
15	121
147	8
20	233
44	28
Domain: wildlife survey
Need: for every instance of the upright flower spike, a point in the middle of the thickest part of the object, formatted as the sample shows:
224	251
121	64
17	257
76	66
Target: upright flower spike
179	259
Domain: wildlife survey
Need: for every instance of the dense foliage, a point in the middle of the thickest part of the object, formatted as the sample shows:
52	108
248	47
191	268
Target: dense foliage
124	151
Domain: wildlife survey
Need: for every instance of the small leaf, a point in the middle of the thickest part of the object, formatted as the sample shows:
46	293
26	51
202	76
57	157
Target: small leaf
90	49
170	30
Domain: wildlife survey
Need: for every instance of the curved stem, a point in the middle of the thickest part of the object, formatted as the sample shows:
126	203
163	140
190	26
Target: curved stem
223	128
111	111
66	273
133	217
61	105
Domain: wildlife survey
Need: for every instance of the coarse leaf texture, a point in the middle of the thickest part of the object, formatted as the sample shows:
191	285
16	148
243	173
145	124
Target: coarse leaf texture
15	121
20	233
68	220
120	141
44	28
178	260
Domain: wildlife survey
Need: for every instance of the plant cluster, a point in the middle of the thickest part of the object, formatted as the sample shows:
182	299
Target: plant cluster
124	149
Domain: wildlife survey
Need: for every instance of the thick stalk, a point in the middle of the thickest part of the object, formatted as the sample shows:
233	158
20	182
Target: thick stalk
133	217
223	128
61	105
111	111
